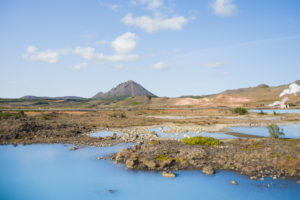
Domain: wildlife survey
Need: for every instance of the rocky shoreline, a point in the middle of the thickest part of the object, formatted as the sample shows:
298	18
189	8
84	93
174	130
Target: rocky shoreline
256	158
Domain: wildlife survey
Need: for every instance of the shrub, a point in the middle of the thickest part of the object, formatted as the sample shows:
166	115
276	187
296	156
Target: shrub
123	115
119	115
209	141
275	131
240	111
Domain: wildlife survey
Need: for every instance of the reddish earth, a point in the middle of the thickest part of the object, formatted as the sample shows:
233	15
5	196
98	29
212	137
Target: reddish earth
220	100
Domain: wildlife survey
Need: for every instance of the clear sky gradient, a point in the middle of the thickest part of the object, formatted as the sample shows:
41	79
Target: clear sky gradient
171	47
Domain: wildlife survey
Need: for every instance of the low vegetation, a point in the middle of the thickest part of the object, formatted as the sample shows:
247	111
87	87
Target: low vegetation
162	157
262	112
119	115
240	111
5	115
208	141
275	131
48	116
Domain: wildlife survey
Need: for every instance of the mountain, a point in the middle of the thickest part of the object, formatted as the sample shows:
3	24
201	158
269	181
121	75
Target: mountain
30	97
126	89
258	96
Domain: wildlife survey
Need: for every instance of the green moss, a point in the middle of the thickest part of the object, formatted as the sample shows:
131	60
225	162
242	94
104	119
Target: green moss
289	157
252	147
153	142
208	141
162	157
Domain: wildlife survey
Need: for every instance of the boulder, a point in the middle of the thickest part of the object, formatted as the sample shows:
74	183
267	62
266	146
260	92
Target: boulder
131	163
208	170
101	158
73	148
233	182
150	164
168	174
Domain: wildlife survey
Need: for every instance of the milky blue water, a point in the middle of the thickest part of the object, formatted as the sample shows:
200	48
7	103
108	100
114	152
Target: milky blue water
290	130
278	111
104	134
162	134
52	172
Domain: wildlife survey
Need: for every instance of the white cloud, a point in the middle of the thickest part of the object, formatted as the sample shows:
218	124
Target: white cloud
31	49
87	53
80	66
156	23
223	7
124	44
160	66
114	7
50	56
214	64
150	4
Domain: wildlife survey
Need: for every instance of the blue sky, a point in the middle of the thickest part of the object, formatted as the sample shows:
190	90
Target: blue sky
171	47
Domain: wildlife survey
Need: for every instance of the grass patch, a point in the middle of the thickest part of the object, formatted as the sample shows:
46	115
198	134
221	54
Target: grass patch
208	141
135	103
48	116
240	111
289	157
6	115
84	103
253	147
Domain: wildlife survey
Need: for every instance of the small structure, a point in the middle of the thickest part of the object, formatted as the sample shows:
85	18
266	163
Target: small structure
284	104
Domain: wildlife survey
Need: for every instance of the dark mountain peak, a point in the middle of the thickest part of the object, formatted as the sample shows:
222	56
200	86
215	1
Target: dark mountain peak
262	86
126	89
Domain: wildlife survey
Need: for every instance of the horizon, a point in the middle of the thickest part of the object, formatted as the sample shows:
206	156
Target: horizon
171	48
146	89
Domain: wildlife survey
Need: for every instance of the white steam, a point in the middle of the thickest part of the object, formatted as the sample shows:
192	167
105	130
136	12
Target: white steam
293	89
276	103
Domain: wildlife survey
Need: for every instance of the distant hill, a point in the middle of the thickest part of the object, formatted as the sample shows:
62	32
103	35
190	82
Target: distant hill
126	89
30	97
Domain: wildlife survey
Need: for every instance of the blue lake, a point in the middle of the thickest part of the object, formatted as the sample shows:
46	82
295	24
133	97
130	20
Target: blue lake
104	134
52	172
290	130
278	111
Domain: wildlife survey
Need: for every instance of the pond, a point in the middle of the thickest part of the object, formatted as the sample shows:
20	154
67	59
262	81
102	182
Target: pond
52	172
104	134
278	111
290	130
